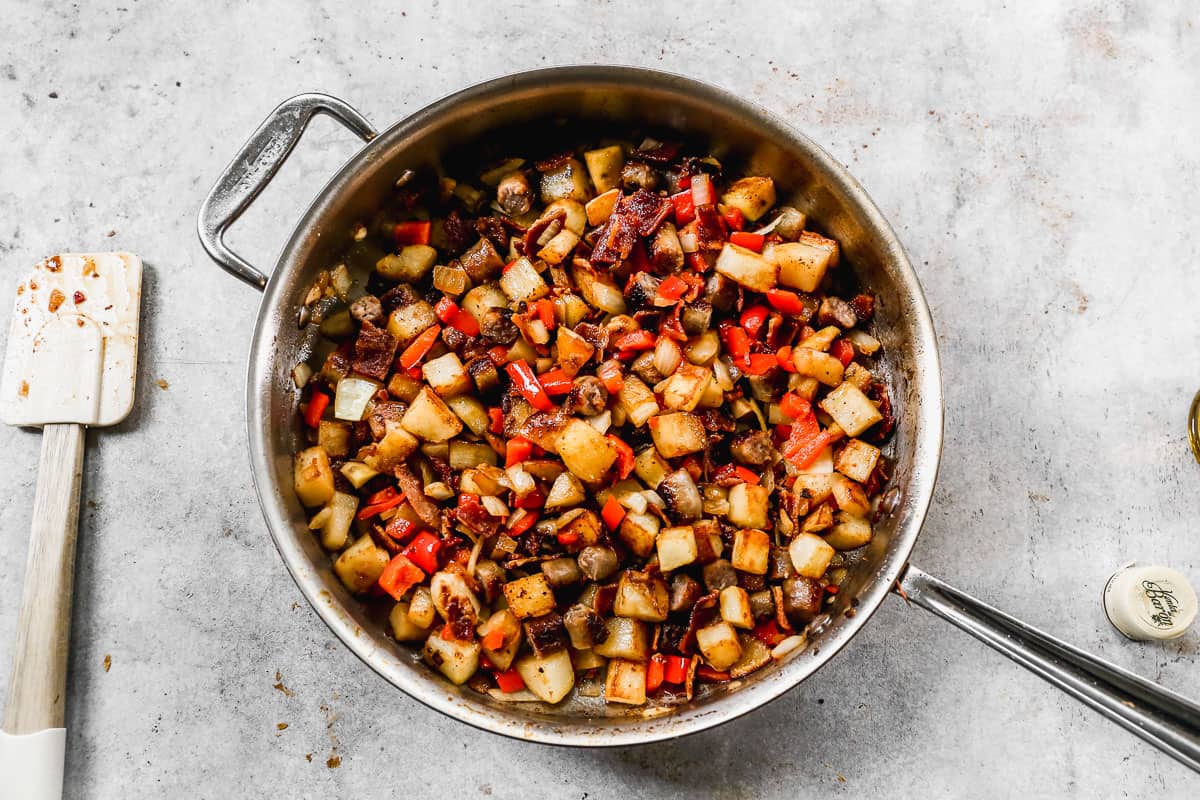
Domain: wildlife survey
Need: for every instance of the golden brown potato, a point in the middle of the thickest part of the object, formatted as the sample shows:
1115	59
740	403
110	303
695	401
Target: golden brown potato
313	477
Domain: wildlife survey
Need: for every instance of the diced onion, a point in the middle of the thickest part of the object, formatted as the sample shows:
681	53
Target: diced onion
789	645
602	421
723	375
866	343
607	298
353	394
667	356
520	481
653	498
688	242
301	374
494	506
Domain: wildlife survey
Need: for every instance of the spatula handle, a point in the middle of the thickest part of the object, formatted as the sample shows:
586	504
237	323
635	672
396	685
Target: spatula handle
37	687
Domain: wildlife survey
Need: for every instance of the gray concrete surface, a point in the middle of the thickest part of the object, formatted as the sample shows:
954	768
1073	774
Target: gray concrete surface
1038	160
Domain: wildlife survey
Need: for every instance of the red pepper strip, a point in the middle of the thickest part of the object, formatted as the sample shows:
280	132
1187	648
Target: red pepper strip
556	382
655	672
399	576
768	633
449	312
516	450
735	219
528	385
382	495
399	528
784	357
760	363
423	551
494	640
509	680
498	355
676	669
612	513
496	417
316	407
750	241
525	523
685	209
545	312
831	589
843	351
610	375
624	455
415	232
634	341
802	449
711	675
374	509
785	301
420	347
753	319
795	406
735	471
671	289
534	499
568	538
414	372
736	342
685	181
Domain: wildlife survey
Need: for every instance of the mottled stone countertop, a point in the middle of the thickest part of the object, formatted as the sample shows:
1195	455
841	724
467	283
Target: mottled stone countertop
1038	160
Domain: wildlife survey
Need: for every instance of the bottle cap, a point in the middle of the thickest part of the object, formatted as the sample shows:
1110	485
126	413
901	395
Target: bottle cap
1149	602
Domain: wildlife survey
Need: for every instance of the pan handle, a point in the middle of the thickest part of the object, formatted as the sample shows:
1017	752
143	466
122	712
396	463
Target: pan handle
1166	720
255	165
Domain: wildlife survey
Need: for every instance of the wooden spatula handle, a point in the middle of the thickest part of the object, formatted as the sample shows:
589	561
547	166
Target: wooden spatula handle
37	686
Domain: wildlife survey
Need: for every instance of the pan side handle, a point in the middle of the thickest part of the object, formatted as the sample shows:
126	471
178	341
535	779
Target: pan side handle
1166	720
255	165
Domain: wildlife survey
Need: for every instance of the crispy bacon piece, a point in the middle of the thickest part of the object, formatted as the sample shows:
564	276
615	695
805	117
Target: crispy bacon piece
864	306
711	232
702	614
460	232
373	351
476	517
616	238
530	243
385	411
879	393
414	493
646	209
662	153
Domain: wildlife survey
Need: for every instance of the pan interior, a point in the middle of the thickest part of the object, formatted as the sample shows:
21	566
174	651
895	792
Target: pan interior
541	112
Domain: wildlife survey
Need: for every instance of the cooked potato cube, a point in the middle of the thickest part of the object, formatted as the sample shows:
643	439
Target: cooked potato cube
719	645
598	288
637	400
357	473
815	364
735	607
573	350
802	264
639	533
627	638
582	525
625	682
403	628
641	596
676	547
393	449
851	409
430	419
336	529
567	491
452	596
755	654
521	282
550	677
408	322
576	215
584	450
472	412
600	207
751	551
566	181
410	265
753	196
650	467
529	597
334	437
361	564
503	620
685	388
820	519
447	376
823	463
677	434
402	387
558	249
748	505
709	544
468	455
313	477
810	555
822	339
420	607
850	497
604	167
454	659
848	532
747	268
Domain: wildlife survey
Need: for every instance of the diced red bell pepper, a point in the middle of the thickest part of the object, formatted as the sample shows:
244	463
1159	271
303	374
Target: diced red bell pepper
516	450
737	343
768	633
625	456
842	350
317	403
795	406
528	385
498	355
634	341
509	680
735	471
400	529
496	420
420	347
760	363
785	301
802	449
568	538
655	672
423	551
753	319
734	218
556	382
545	312
612	513
494	640
610	375
750	241
449	312
535	499
706	673
414	232
524	523
702	190
784	357
676	669
685	209
399	576
670	290
379	502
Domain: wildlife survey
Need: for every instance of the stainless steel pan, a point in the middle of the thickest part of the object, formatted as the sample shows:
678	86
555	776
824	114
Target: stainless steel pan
740	133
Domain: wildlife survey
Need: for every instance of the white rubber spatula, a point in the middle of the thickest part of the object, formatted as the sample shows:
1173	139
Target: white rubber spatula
70	363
